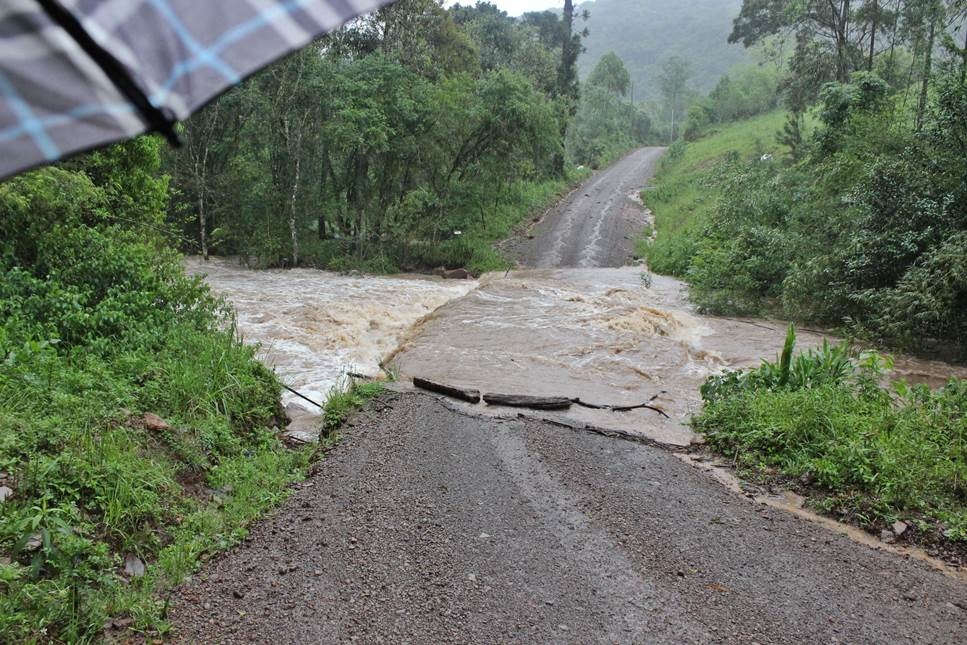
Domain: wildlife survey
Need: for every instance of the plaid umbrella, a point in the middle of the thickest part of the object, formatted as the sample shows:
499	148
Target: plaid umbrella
77	74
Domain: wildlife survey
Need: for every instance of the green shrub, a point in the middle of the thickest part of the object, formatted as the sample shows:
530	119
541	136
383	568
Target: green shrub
876	455
100	325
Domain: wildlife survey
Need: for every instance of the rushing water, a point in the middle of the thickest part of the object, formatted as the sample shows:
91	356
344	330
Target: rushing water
608	336
315	326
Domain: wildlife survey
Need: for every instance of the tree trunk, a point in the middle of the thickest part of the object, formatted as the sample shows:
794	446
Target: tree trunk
202	225
963	65
673	121
293	230
896	28
927	71
566	45
873	28
842	44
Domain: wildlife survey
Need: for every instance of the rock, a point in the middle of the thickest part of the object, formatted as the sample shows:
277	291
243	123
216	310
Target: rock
887	536
910	596
34	542
238	594
154	423
119	623
457	274
900	527
133	566
304	429
471	577
5	493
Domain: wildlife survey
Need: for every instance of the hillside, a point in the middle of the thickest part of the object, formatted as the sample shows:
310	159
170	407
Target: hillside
644	33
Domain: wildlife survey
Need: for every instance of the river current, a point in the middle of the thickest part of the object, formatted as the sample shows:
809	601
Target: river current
616	336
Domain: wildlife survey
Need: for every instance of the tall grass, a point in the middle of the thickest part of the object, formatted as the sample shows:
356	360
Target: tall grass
867	452
687	187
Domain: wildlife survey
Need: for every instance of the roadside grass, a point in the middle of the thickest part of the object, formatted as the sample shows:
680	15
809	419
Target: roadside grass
343	402
94	486
686	187
823	422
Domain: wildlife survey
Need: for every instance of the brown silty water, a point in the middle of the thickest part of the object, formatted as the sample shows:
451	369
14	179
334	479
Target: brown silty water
315	326
609	336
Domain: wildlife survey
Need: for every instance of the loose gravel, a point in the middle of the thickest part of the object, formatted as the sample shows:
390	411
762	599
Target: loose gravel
429	526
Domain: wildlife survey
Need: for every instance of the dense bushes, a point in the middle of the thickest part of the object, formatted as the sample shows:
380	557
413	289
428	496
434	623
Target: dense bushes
99	327
867	230
821	420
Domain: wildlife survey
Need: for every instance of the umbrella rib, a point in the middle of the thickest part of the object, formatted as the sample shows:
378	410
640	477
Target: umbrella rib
154	117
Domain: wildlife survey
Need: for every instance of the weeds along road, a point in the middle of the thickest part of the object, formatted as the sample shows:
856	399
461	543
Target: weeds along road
429	525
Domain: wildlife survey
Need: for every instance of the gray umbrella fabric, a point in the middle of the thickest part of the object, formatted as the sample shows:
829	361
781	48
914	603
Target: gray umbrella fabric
55	99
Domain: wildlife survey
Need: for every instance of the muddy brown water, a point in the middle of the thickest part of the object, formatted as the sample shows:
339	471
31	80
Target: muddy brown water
590	322
615	336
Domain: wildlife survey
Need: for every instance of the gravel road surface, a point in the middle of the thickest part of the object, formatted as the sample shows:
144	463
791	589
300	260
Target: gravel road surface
428	526
597	225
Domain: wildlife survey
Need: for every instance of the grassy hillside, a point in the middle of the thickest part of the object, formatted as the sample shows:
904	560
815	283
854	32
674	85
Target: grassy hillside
646	33
686	187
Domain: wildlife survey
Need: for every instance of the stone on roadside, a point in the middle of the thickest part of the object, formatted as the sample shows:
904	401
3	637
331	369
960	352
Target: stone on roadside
34	542
154	423
900	527
5	493
457	274
133	566
304	429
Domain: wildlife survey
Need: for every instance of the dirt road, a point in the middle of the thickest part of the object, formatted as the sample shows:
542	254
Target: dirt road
596	226
426	525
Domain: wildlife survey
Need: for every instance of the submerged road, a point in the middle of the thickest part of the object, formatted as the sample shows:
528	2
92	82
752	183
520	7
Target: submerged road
429	525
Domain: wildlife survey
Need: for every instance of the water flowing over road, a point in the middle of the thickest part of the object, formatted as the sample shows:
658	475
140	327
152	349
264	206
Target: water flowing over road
592	323
435	523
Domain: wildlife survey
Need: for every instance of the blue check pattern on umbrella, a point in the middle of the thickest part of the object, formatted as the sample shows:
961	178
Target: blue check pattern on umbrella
56	100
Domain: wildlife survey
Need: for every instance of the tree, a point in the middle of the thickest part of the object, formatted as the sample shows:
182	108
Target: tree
673	82
571	48
828	21
611	74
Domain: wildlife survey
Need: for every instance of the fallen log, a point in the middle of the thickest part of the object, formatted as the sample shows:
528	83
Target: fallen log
530	402
470	396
